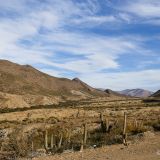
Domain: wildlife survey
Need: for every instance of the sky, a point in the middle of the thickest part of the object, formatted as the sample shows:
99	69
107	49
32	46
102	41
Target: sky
106	43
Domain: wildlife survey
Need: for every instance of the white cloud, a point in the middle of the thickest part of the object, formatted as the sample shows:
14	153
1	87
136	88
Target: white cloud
144	8
92	21
140	11
147	79
125	17
99	52
13	5
93	52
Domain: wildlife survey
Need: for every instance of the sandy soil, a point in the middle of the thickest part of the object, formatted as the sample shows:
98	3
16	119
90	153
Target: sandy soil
147	148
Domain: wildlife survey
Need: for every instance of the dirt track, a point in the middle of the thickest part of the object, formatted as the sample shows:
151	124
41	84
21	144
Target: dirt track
147	148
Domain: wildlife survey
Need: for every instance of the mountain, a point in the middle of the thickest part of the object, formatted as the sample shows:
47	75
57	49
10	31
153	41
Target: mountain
136	92
114	93
29	83
156	94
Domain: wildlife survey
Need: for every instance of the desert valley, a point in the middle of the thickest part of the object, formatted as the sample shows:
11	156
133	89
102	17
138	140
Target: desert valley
44	117
79	80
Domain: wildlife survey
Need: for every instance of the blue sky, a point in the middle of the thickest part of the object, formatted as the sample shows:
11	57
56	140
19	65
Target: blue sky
106	43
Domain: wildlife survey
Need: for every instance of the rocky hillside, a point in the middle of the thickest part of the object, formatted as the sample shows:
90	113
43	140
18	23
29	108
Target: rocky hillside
136	92
19	79
25	81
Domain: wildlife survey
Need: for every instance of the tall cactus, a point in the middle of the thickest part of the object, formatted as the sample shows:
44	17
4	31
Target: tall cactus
135	123
85	134
46	139
60	141
124	129
84	139
103	123
52	141
78	113
107	125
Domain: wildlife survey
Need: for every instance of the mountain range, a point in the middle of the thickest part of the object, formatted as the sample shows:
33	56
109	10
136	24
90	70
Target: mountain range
25	86
136	93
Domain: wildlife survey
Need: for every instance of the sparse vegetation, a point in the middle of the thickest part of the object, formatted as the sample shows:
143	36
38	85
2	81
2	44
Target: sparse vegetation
64	125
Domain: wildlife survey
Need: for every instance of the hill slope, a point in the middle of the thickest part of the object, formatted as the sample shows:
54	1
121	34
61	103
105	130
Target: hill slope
136	92
25	80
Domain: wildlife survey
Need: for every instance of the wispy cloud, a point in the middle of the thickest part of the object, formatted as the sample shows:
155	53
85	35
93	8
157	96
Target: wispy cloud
72	36
144	8
142	11
147	79
99	52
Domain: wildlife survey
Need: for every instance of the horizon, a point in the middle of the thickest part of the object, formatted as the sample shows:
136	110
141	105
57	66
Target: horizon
107	44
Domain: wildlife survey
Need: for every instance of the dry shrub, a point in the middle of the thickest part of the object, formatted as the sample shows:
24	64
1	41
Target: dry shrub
21	143
18	143
136	127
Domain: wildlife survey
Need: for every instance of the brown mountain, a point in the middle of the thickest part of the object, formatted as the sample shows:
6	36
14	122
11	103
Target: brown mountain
25	80
156	94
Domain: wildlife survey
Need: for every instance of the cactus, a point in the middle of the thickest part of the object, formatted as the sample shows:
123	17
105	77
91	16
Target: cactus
104	124
124	129
135	123
81	150
84	139
52	139
32	145
60	141
101	117
107	125
78	113
46	139
85	134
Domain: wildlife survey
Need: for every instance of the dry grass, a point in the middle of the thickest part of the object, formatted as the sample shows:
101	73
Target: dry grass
29	126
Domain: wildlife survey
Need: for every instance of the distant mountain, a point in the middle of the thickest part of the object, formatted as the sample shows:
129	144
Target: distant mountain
156	94
24	80
114	93
136	92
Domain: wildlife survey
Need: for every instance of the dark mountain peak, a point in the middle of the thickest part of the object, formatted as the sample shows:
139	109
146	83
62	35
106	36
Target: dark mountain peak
109	91
156	94
80	81
76	79
113	93
27	66
89	88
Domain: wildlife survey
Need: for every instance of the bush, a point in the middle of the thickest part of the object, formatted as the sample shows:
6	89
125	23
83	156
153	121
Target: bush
136	127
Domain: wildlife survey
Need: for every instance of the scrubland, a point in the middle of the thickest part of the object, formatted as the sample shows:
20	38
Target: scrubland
86	129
